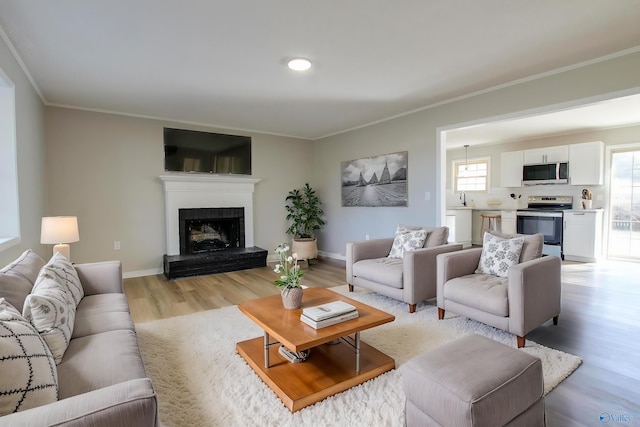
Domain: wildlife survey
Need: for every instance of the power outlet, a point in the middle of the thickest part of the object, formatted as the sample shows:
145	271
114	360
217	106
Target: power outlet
116	245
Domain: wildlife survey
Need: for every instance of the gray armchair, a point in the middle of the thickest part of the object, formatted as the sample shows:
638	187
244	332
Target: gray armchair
410	279
519	303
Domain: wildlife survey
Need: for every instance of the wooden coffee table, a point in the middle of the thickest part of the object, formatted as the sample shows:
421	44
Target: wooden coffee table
331	367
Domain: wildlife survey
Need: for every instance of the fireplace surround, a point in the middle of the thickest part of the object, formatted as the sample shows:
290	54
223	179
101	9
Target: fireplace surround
227	248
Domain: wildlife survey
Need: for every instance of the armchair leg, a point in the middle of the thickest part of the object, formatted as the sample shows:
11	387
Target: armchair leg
440	313
555	320
412	308
350	287
521	341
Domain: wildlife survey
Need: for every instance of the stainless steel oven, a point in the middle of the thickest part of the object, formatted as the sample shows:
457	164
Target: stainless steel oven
544	215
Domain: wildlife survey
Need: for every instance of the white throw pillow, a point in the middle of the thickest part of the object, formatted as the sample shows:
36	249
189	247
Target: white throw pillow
28	372
406	240
62	271
52	312
499	254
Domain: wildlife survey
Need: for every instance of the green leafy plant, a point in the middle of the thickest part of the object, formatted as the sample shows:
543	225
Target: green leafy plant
304	211
288	268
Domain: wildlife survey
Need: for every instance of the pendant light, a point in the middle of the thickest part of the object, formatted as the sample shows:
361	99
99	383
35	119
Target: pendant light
466	157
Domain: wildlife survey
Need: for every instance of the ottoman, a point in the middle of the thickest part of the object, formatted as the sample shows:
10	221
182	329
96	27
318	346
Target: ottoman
474	381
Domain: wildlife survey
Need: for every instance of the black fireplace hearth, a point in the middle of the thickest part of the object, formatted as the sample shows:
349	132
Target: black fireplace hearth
212	240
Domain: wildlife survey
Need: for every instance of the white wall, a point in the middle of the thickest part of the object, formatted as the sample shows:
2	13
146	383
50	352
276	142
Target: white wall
104	168
418	133
31	168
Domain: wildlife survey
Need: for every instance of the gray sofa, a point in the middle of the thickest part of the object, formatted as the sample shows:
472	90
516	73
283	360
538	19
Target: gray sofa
411	279
101	378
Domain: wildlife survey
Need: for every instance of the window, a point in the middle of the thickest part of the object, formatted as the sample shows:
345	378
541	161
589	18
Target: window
624	226
471	176
9	213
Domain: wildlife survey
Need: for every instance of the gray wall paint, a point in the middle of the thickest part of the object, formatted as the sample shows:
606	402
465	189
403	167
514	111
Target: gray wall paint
418	133
104	168
119	197
31	158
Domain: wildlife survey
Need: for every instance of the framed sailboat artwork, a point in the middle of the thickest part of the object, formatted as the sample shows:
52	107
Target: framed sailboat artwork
376	181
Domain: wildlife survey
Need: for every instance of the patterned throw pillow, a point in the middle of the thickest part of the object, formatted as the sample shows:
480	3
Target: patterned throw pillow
406	240
28	372
499	254
52	312
62	271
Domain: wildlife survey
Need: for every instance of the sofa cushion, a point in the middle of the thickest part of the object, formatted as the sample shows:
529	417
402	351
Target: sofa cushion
17	278
101	313
409	240
531	247
62	271
436	236
499	254
484	292
380	270
52	312
27	369
99	360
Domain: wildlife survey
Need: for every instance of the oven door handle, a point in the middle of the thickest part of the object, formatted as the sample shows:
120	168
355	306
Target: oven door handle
543	214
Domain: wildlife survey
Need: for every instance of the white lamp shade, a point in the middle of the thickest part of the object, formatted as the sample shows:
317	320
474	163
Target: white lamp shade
59	229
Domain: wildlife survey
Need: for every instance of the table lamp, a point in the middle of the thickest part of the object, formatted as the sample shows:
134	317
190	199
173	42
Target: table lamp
59	231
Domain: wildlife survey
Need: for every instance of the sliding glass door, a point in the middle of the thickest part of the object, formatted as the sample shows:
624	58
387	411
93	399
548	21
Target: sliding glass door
624	218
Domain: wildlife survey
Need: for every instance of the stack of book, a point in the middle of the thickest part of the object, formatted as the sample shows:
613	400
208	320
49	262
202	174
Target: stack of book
331	313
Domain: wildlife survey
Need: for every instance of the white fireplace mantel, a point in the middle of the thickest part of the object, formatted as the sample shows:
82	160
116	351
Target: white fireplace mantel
184	190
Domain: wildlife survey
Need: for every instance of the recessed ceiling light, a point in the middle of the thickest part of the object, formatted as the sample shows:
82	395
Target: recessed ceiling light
299	64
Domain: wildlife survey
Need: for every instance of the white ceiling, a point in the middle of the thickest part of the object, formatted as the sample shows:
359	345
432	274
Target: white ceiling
223	63
618	112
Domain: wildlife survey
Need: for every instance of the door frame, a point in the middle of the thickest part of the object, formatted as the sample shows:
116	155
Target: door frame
609	149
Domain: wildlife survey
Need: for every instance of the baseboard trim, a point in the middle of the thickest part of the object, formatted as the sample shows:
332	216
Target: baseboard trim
332	255
141	273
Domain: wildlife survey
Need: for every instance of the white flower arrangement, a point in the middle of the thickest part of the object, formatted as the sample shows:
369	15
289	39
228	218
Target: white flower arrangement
288	267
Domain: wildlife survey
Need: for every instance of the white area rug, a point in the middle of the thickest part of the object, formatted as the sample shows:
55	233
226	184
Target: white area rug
201	381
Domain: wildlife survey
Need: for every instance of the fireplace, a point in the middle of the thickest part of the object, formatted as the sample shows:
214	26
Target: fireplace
210	229
204	234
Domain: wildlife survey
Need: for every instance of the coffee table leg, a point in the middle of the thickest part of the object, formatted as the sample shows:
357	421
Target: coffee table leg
357	352
266	349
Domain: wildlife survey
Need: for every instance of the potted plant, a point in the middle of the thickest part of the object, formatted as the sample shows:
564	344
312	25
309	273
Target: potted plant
290	276
305	213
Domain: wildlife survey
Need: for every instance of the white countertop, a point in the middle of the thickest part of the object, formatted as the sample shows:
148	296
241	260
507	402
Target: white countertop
584	210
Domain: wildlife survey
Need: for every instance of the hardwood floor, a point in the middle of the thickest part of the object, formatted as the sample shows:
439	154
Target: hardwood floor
156	297
600	322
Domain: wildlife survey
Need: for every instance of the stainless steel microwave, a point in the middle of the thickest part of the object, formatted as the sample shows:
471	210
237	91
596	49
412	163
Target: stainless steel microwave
546	173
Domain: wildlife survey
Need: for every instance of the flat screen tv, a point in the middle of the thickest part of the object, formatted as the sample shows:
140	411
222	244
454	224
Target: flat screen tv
205	152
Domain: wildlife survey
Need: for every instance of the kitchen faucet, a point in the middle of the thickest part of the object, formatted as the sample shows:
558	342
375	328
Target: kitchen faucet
463	197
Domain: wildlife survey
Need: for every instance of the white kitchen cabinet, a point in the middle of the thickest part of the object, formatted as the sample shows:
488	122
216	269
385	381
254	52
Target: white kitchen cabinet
559	153
582	235
459	223
511	169
508	222
586	163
